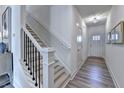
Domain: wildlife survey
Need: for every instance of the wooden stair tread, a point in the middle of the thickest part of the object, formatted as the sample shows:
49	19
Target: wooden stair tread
60	81
59	73
58	69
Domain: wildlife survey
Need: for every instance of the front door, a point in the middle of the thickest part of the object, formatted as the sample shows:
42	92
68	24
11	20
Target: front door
96	44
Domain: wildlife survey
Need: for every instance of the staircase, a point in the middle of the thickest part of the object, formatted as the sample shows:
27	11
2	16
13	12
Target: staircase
33	63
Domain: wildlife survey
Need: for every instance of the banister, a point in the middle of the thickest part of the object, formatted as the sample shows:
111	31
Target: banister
48	58
41	49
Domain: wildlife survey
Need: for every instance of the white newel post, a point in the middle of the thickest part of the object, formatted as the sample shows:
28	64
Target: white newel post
48	68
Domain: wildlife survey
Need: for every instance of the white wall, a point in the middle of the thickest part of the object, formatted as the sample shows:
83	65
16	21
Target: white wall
41	13
19	77
63	34
61	23
39	29
75	60
16	43
114	53
85	41
66	30
97	49
61	28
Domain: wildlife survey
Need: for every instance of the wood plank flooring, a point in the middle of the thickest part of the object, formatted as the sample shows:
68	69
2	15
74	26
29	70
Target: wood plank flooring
93	74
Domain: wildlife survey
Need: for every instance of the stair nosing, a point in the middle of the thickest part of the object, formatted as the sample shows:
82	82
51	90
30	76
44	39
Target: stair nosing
59	75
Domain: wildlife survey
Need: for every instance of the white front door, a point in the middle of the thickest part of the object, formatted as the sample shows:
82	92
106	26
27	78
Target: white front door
96	44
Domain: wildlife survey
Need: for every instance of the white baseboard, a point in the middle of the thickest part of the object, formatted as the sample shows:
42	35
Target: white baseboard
67	81
75	72
113	76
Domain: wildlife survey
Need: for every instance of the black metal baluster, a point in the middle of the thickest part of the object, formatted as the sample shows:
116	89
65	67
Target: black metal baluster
26	50
33	63
36	66
24	46
28	53
31	58
39	68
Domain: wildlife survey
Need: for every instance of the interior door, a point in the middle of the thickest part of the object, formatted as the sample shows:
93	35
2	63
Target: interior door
79	46
96	44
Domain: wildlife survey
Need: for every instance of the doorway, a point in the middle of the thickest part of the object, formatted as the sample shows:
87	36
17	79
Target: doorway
96	41
79	45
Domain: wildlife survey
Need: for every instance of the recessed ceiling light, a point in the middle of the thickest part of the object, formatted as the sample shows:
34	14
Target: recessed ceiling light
77	24
95	20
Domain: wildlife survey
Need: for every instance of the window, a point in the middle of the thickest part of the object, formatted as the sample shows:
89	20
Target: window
79	38
112	37
96	37
116	37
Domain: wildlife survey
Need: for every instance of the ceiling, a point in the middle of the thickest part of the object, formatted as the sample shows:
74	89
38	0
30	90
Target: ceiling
88	10
92	10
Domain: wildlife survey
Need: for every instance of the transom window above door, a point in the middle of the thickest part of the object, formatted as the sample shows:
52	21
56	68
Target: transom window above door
96	37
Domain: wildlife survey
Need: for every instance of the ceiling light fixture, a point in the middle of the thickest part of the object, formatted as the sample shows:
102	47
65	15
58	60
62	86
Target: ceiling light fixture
96	18
77	24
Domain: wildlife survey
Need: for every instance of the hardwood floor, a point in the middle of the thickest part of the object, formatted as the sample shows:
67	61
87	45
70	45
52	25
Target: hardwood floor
93	74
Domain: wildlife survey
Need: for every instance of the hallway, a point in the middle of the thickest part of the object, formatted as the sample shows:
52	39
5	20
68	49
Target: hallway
83	49
93	74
